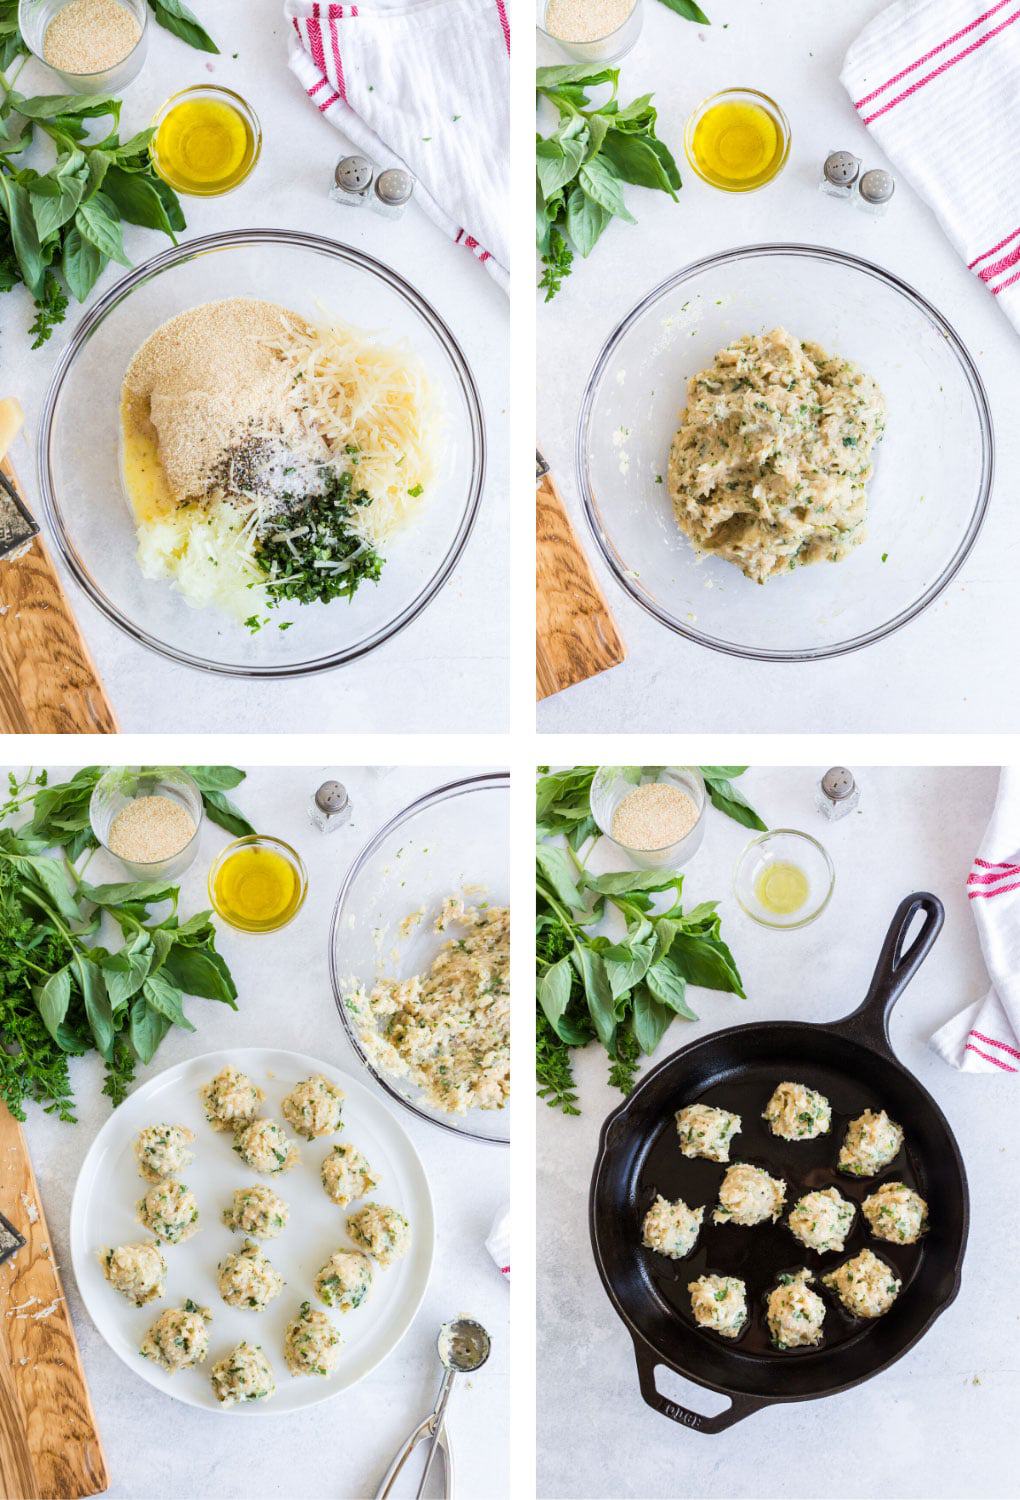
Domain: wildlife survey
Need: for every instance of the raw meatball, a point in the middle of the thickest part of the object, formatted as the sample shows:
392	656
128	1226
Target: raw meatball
345	1280
346	1175
138	1272
719	1303
383	1232
821	1220
162	1151
231	1099
245	1374
248	1279
257	1211
797	1113
896	1213
170	1211
865	1285
870	1144
706	1132
313	1108
794	1312
311	1345
179	1338
671	1228
748	1195
265	1146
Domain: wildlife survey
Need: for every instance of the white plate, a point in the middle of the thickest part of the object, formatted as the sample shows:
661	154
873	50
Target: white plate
109	1186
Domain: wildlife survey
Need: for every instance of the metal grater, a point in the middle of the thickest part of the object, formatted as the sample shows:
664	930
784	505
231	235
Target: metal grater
17	528
10	1240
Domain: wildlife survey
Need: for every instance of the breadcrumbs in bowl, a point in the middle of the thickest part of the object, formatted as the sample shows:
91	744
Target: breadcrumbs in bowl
95	46
148	819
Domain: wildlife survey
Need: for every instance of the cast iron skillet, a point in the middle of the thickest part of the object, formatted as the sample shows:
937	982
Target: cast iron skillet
852	1063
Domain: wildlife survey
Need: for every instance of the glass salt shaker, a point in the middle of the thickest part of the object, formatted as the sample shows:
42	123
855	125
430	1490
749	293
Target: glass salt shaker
352	181
838	793
840	173
330	808
875	191
392	192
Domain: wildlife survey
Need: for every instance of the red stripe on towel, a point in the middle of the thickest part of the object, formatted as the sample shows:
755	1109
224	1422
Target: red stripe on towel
504	22
315	42
969	1047
1002	865
1003	285
340	81
943	67
928	55
990	1041
1002	889
989	273
979	258
1004	874
316	87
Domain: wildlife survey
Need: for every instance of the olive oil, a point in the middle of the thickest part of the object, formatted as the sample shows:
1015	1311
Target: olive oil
256	889
737	144
204	145
781	888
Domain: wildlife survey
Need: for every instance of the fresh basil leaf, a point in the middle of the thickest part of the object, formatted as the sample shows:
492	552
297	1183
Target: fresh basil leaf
215	778
197	972
55	198
97	222
126	969
136	199
176	17
626	964
721	773
636	160
597	992
53	998
171	203
146	1028
557	870
164	996
98	1007
28	251
586	220
50	106
689	10
650	1019
731	800
706	962
120	893
82	263
599	180
584	74
220	810
48	877
557	163
554	990
623	882
668	161
669	987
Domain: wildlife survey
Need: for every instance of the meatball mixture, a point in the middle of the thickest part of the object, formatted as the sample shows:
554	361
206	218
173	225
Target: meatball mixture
748	1195
871	1142
313	1108
179	1338
671	1228
162	1151
797	1113
865	1285
345	1280
257	1211
170	1211
346	1175
384	1233
138	1272
311	1345
896	1213
770	466
794	1312
719	1303
265	1146
230	1099
244	1374
248	1279
705	1131
822	1220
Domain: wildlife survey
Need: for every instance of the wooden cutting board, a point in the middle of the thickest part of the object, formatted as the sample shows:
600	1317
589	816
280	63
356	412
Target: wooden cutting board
49	1443
576	636
48	680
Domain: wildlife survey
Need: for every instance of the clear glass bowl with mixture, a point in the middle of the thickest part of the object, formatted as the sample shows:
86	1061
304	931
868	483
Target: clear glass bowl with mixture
933	468
452	840
86	506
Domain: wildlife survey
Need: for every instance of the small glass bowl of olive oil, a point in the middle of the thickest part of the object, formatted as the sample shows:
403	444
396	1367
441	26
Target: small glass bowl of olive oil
784	879
737	140
208	140
258	883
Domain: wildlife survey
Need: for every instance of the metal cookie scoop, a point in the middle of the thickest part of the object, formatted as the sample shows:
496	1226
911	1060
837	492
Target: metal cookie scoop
463	1346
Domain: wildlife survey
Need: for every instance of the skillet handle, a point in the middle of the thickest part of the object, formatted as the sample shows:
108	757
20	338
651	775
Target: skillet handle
740	1406
896	967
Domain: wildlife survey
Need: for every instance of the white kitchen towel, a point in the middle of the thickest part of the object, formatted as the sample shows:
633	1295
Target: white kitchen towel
498	1242
425	83
937	82
985	1038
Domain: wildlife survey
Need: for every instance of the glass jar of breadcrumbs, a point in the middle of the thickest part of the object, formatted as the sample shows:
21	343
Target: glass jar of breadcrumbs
149	818
93	46
654	814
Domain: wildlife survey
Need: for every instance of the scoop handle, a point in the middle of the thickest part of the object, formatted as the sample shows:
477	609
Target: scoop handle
740	1406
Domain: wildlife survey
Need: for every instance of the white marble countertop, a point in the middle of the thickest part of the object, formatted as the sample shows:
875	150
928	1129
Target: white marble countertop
460	641
343	1447
794	54
934	1424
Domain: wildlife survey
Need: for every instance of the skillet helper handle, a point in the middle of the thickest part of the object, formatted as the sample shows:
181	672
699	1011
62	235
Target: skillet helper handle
739	1408
897	965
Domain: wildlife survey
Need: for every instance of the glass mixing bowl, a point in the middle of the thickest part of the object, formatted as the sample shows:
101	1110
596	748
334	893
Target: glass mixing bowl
452	840
933	468
79	451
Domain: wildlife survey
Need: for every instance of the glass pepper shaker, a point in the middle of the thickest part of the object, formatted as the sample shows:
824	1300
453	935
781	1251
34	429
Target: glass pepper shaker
838	793
352	181
330	808
839	174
